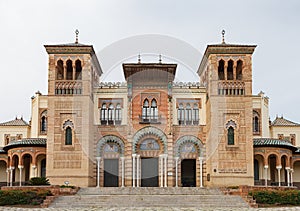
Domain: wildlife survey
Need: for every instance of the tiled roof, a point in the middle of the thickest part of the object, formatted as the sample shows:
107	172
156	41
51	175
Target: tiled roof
280	121
15	122
73	45
26	142
272	142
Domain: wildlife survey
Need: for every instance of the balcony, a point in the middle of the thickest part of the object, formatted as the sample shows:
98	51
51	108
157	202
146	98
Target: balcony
68	87
188	122
150	119
110	122
231	88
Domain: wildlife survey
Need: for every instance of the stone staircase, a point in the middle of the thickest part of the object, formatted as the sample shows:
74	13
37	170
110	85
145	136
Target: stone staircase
149	197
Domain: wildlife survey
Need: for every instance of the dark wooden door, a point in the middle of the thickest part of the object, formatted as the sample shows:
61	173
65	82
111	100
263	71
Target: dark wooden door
149	172
188	173
111	172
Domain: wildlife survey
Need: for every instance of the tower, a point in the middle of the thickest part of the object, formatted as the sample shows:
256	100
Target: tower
226	72
73	71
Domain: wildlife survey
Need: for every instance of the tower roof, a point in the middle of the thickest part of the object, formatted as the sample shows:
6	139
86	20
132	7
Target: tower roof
271	142
280	121
69	48
25	142
224	48
75	48
149	73
15	122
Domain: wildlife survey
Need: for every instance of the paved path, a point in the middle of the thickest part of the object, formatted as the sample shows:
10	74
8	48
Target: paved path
147	209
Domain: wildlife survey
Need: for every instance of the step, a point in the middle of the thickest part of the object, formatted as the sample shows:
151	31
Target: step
149	197
148	190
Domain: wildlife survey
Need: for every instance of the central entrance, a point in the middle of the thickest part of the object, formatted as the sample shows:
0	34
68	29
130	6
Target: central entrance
149	172
188	173
111	172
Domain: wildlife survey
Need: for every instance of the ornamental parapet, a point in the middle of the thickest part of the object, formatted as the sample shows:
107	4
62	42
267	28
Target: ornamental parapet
112	84
187	84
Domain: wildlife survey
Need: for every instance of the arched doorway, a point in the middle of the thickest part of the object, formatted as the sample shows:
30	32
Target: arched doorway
272	160
27	160
111	165
284	171
190	152
149	150
149	158
296	175
256	170
188	173
15	171
3	174
41	165
43	168
110	149
259	174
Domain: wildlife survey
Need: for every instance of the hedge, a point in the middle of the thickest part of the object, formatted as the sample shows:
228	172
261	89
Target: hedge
287	197
39	181
12	197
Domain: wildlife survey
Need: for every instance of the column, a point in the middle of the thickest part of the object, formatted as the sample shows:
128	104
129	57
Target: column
65	72
166	168
291	172
266	174
201	171
20	169
34	170
279	179
161	170
138	170
234	70
7	176
288	175
73	72
11	175
225	69
176	171
98	171
123	170
133	169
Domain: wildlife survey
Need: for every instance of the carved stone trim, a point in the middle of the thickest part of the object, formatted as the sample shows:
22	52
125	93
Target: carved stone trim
109	139
189	139
149	131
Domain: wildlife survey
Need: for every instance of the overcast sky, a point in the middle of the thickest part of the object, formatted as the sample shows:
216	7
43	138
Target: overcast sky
271	24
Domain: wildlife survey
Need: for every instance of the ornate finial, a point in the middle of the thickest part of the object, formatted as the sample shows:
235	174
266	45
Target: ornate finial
159	58
139	58
76	32
223	36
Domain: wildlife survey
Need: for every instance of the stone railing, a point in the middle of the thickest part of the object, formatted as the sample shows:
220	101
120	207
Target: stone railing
124	84
67	87
231	88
